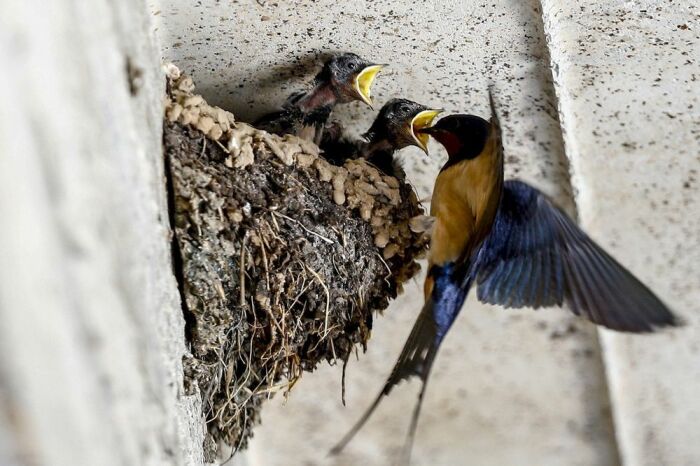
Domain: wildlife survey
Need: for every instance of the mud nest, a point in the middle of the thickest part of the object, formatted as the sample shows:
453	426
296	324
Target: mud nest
283	258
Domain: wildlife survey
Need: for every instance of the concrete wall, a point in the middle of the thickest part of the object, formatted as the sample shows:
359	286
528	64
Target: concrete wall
92	334
600	106
620	115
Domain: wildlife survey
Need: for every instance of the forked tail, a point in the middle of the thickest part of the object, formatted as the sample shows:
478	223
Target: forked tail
416	359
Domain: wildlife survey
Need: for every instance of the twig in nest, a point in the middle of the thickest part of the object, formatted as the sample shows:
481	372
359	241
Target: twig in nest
264	255
342	381
224	148
204	147
241	277
328	299
388	270
327	240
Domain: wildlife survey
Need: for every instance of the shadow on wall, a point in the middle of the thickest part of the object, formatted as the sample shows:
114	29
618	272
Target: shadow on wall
291	75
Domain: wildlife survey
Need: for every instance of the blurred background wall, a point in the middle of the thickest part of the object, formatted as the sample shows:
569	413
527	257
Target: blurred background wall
600	104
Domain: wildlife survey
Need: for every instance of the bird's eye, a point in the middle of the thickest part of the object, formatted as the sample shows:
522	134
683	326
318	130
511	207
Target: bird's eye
351	65
403	108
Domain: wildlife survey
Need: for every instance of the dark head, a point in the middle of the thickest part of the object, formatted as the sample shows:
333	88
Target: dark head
350	77
399	122
464	136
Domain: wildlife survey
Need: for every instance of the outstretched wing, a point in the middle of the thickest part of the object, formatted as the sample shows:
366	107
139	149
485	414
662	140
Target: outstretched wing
536	256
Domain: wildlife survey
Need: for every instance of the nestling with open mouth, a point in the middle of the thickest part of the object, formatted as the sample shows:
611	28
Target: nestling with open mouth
398	125
344	78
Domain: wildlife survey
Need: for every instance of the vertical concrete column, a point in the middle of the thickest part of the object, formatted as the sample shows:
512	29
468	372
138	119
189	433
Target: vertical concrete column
626	75
91	333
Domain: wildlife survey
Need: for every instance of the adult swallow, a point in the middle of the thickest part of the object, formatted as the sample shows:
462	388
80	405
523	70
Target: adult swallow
344	78
518	249
398	125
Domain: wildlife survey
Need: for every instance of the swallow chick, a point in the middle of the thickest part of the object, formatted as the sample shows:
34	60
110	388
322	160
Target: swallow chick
512	243
344	78
398	125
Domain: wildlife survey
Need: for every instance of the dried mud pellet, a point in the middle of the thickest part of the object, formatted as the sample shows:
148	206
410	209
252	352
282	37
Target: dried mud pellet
189	116
390	251
391	181
304	160
174	112
186	85
193	101
221	116
366	212
393	195
216	132
366	187
309	147
222	119
338	183
376	221
245	157
339	196
172	71
372	173
289	151
339	180
381	185
354	167
204	124
382	211
381	240
324	170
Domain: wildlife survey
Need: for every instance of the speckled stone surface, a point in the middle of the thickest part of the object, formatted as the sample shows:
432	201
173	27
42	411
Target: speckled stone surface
92	331
509	387
627	75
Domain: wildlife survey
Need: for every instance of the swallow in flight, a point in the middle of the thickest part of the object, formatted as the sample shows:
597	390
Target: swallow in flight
512	243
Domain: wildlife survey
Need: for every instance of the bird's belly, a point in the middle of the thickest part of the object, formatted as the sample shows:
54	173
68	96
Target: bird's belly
450	237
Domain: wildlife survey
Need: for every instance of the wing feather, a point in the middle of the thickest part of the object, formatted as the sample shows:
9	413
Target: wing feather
537	256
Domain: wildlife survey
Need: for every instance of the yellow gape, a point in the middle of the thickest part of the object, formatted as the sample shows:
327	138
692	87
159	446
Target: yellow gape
422	120
363	82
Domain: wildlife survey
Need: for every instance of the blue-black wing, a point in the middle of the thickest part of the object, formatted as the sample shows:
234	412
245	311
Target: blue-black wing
536	256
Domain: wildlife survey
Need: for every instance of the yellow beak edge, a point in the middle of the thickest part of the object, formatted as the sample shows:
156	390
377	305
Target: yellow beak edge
422	120
364	80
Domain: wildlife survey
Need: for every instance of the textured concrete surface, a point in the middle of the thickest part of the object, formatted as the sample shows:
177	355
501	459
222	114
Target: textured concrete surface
510	387
92	334
627	76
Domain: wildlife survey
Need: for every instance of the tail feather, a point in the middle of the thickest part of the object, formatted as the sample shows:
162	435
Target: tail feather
420	350
416	359
410	436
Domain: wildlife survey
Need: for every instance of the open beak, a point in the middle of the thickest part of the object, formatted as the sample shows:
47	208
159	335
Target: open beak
364	80
420	126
